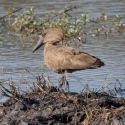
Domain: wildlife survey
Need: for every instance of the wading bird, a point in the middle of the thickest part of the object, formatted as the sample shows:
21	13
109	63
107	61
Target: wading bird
63	59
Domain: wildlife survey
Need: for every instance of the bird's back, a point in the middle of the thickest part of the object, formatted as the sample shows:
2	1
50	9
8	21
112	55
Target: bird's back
61	58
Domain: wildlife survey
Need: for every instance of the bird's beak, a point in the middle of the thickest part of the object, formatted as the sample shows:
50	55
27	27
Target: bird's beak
39	44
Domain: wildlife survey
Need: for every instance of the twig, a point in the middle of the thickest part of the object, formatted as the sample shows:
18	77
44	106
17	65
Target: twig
78	80
29	72
10	13
66	10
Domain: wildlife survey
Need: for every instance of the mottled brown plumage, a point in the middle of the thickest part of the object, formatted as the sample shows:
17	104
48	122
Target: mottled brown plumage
63	58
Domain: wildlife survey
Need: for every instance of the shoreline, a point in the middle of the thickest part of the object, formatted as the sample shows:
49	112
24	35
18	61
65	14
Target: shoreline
44	105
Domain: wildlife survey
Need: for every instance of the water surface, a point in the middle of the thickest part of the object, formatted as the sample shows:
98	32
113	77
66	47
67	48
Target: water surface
111	50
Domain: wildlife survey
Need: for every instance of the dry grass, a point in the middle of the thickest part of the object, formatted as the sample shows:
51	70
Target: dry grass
88	108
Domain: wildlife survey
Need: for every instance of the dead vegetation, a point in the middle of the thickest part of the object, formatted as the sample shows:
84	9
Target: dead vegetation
45	105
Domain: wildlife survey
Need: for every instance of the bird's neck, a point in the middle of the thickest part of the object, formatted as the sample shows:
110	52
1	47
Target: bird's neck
48	47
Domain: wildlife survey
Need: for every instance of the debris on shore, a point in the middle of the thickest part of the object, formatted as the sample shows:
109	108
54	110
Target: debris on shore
44	105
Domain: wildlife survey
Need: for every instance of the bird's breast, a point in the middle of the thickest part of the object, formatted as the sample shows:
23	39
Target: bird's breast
52	59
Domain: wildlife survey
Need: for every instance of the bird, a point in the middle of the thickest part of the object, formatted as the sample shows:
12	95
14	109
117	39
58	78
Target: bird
62	59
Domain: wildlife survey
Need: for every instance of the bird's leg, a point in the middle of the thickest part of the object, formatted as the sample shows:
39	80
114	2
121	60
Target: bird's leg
63	81
60	83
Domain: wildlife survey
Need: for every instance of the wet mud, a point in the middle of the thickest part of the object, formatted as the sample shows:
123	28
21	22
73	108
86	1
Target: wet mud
47	106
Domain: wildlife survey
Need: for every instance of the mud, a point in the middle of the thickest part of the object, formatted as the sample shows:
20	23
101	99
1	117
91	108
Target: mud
45	106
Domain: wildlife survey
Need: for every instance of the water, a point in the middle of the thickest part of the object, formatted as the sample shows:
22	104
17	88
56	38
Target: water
14	58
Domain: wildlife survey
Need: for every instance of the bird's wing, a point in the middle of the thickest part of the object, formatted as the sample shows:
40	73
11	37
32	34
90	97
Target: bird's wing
72	59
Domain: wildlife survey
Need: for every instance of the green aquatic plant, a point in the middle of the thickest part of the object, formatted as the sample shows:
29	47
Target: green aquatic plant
28	23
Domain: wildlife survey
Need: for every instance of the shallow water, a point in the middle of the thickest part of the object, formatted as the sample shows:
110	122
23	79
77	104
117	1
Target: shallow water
14	58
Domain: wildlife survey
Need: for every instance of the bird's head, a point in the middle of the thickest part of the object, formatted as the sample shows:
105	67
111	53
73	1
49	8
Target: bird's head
51	36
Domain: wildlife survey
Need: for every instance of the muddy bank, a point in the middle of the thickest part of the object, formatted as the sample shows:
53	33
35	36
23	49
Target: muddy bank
47	106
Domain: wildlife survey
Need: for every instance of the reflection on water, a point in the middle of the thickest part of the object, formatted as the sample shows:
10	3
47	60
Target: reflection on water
14	59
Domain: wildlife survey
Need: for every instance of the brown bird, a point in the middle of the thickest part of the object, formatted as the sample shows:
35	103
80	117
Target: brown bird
63	59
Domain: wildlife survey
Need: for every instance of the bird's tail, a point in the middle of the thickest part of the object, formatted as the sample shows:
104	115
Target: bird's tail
97	64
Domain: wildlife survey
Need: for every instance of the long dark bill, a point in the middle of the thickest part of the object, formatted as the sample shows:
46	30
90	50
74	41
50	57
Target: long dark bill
39	44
